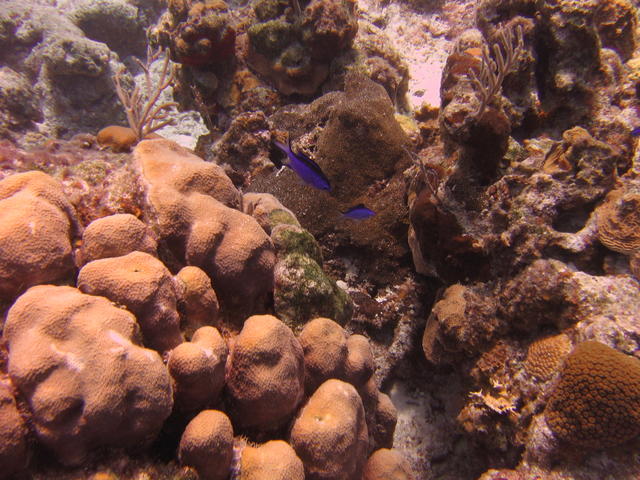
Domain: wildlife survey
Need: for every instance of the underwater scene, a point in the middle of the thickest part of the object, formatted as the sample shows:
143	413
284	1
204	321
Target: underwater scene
319	239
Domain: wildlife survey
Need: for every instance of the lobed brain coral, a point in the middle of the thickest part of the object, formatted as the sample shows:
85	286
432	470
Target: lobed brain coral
545	355
78	362
596	403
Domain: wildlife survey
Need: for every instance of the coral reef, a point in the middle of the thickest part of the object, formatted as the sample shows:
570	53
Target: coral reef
198	33
197	300
294	49
177	313
13	433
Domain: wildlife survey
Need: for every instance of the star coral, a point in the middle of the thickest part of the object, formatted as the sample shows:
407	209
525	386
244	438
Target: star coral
545	356
596	403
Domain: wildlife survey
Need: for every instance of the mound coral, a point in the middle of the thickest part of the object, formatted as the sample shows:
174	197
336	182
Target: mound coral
77	360
37	226
13	434
115	236
145	287
265	374
197	300
596	403
330	433
192	205
324	344
207	445
386	464
275	460
197	368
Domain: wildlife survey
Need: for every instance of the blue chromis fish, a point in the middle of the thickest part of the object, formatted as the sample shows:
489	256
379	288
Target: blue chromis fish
308	170
635	132
358	212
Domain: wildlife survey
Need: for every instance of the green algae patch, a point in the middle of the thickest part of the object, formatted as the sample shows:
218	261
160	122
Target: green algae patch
271	37
279	216
93	171
303	292
290	239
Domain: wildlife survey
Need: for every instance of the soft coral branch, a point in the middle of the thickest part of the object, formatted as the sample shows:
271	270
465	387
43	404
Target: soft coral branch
143	115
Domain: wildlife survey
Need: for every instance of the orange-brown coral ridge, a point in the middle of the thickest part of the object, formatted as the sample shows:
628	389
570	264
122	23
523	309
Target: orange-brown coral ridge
618	222
596	403
545	356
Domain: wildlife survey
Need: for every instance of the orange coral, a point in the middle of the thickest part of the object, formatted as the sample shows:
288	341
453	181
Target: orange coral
545	356
596	403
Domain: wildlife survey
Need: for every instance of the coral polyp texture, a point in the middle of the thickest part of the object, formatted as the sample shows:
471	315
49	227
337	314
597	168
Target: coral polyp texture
545	356
596	401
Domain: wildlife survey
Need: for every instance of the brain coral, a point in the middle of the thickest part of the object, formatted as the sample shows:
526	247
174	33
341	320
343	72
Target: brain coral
618	220
114	236
36	226
330	433
207	445
274	460
545	356
77	360
145	287
265	374
192	205
597	400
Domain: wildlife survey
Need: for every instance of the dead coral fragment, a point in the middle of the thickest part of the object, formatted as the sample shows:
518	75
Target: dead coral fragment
597	401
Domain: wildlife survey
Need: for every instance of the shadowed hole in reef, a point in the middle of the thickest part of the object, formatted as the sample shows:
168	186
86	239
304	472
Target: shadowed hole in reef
572	220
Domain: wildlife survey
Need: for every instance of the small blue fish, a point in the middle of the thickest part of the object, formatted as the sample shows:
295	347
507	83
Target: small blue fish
308	170
358	212
635	132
